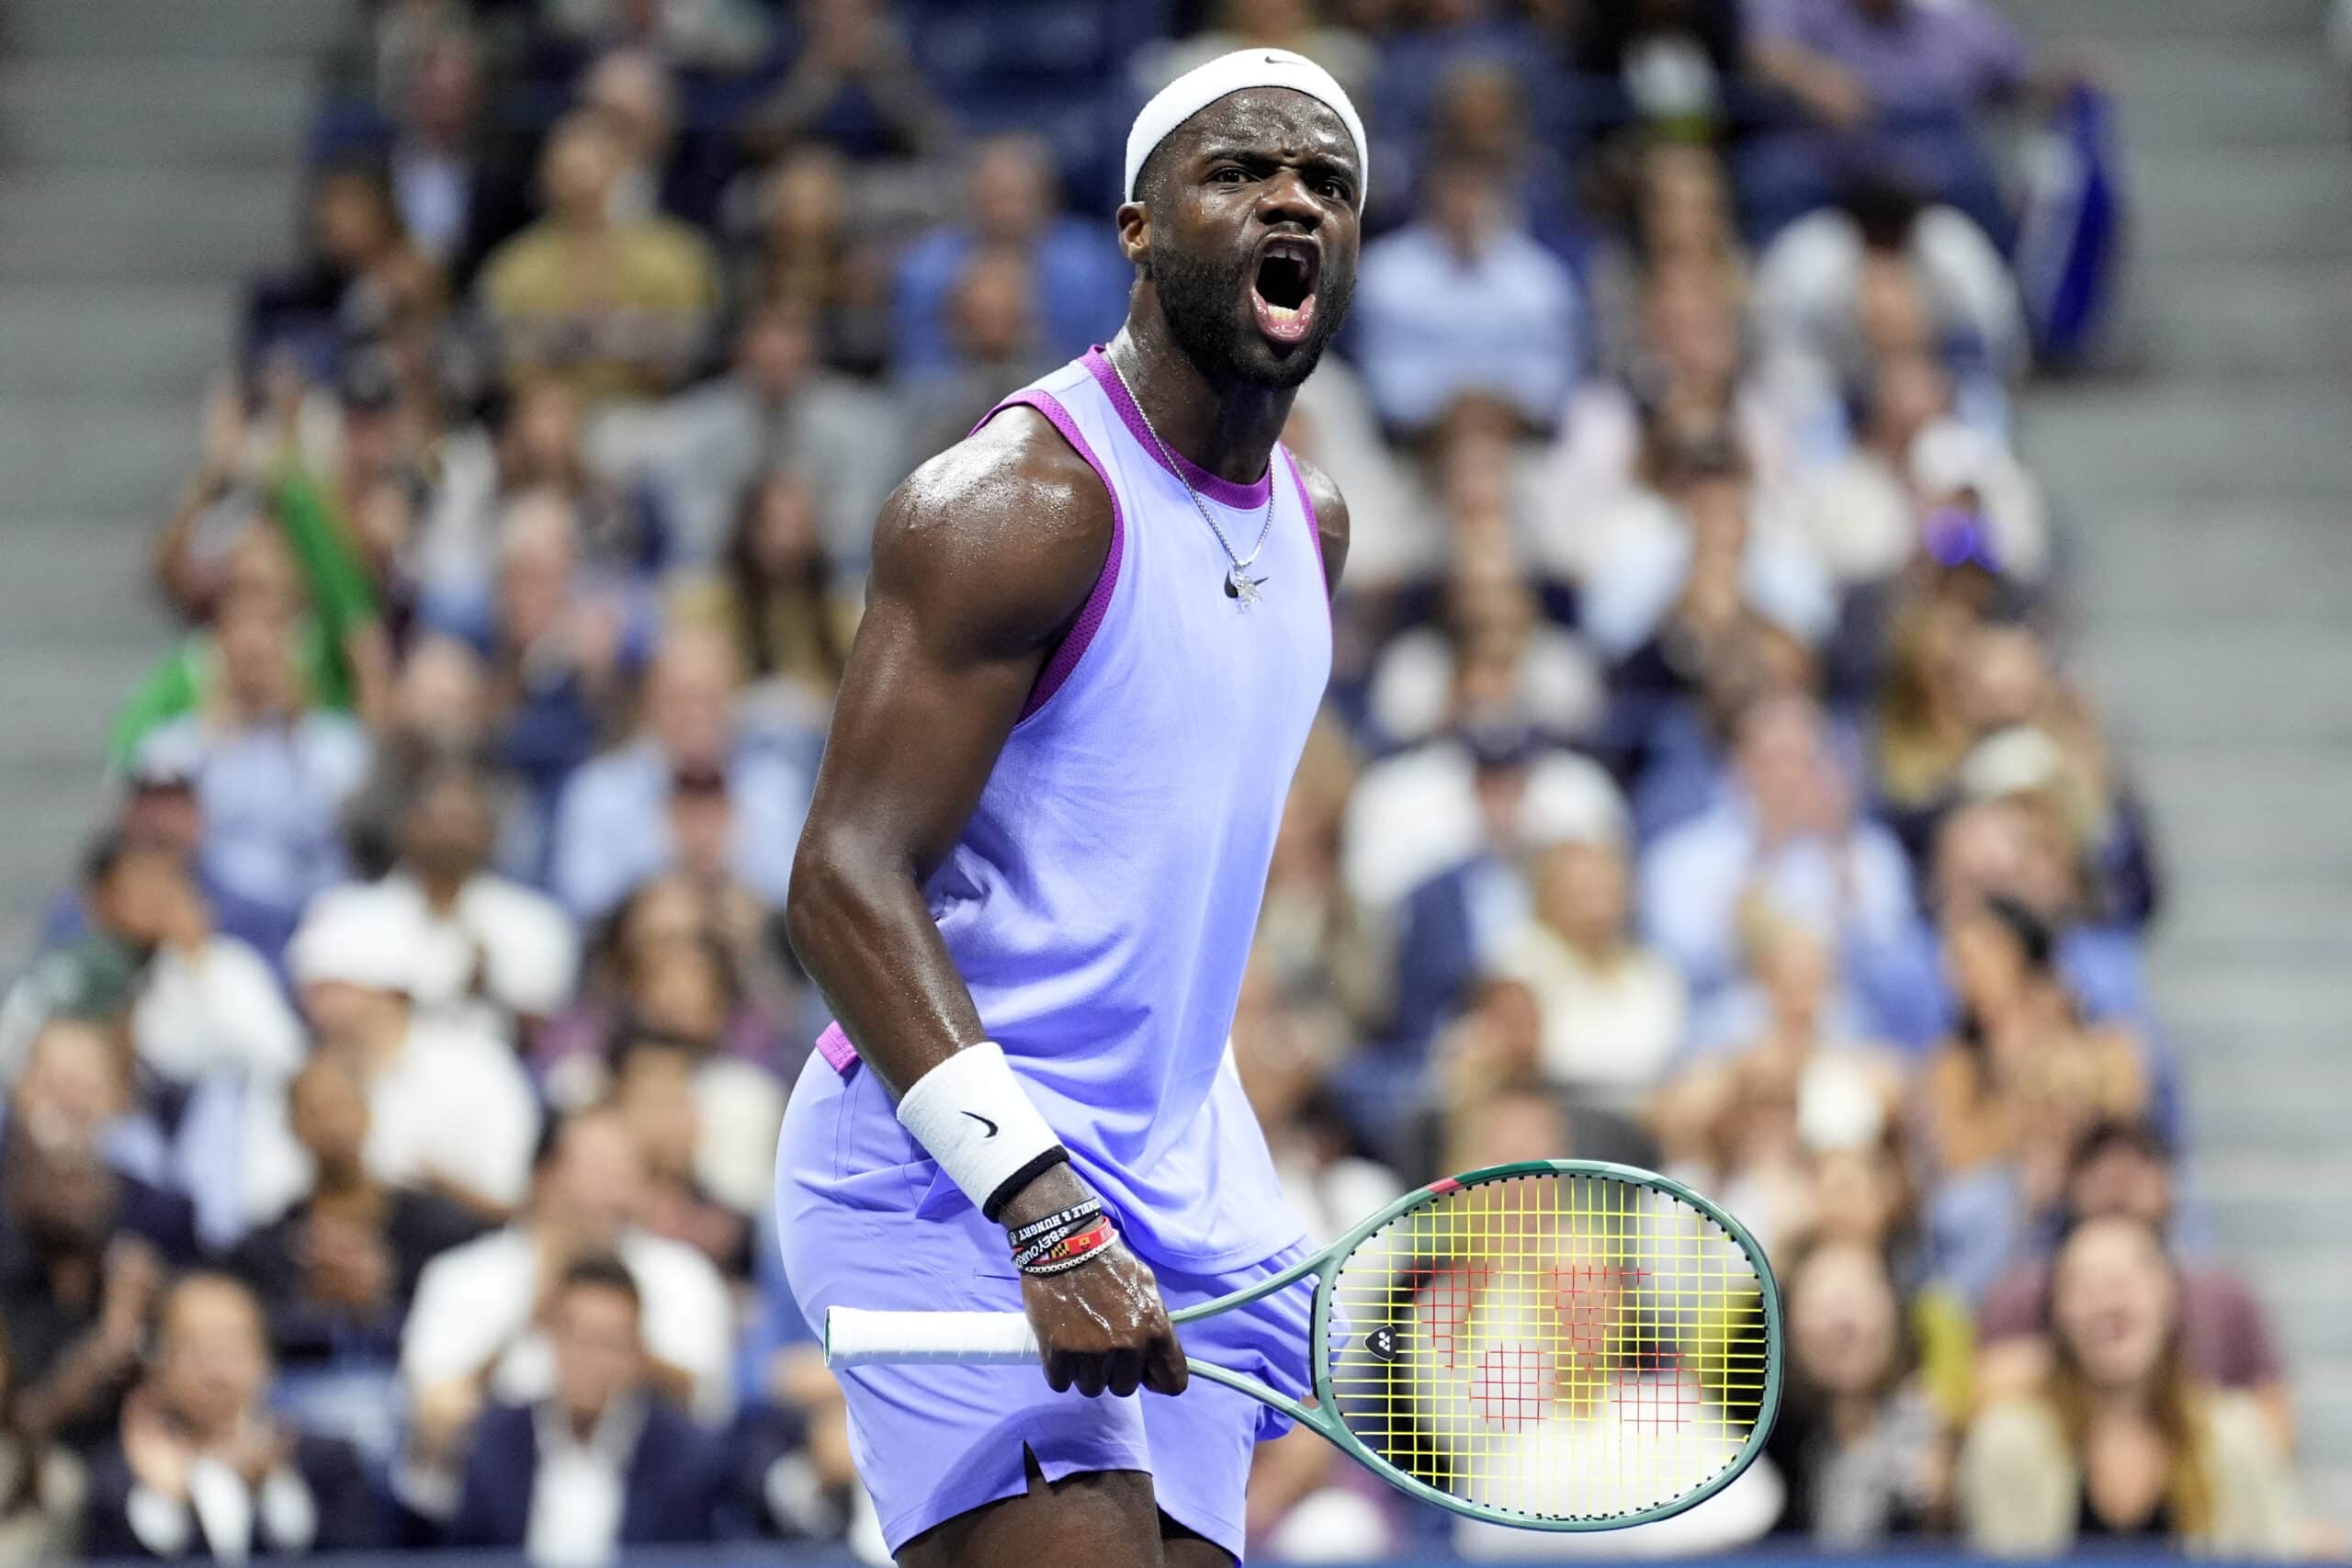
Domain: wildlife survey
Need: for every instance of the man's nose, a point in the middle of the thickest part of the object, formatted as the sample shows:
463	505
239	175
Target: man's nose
1285	199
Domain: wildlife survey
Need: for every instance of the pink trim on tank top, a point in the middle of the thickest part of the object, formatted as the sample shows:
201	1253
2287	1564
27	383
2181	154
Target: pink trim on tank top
1223	491
1314	529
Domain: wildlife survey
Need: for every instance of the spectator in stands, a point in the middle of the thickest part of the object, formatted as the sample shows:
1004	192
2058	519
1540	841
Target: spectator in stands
1480	115
361	269
82	1251
812	258
1808	280
2126	1442
615	827
271	769
532	441
634	93
777	595
1996	846
654	1091
1860	1443
202	1468
455	199
561	639
1677	569
690	959
1076	280
2122	1169
1464	303
613	305
1785	836
358	961
475	1331
498	956
1612	1010
1900	80
779	409
853	84
719	35
600	1461
1876	511
992	344
41	1487
2004	1101
1292	24
335	1272
252	529
195	1002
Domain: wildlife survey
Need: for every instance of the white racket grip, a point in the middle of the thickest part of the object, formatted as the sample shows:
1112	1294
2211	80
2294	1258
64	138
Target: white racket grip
855	1337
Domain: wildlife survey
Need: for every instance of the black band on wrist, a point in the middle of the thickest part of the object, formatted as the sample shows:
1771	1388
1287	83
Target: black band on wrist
1044	1161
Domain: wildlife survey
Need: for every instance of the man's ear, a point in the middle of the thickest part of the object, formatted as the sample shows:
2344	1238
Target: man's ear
1135	231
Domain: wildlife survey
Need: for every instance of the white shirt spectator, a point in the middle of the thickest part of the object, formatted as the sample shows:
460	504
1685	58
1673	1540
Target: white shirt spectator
230	1518
474	1305
216	1011
579	1490
1438	321
1806	285
1645	559
412	1135
1417	814
503	952
1610	1028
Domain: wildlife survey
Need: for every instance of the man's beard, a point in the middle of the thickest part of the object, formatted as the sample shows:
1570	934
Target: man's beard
1197	296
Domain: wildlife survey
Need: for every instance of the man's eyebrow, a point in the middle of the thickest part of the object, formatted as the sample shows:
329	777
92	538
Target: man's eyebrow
1320	160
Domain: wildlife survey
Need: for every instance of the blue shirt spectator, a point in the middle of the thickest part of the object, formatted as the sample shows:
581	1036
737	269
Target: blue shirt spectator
1784	838
1081	280
270	772
1465	304
691	792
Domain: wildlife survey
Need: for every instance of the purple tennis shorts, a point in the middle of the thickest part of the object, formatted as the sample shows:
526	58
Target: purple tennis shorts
935	1441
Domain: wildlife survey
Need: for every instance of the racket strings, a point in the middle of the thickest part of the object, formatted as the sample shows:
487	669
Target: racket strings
1551	1346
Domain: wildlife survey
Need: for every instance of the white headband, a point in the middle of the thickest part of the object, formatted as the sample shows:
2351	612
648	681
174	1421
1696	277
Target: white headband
1239	73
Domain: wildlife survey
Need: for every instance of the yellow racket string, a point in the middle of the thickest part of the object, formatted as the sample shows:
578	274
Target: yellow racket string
1551	1346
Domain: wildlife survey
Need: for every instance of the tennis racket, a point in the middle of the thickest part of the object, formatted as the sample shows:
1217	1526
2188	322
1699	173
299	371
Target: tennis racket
1555	1345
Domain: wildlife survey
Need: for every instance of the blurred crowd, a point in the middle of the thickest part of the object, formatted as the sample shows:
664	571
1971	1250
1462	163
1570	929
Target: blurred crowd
391	1099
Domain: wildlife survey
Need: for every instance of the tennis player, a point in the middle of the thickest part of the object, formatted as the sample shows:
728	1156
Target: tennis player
1097	632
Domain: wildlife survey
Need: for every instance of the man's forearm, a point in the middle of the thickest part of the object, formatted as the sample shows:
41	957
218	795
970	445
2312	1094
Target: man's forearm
864	933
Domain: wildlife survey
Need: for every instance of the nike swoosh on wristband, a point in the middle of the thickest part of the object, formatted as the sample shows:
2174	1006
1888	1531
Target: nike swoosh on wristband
983	1121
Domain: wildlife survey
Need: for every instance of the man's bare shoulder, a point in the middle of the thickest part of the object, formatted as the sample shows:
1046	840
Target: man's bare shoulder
1330	516
1009	522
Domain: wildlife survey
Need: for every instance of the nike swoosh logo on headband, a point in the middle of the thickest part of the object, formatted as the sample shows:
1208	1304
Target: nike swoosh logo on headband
983	1121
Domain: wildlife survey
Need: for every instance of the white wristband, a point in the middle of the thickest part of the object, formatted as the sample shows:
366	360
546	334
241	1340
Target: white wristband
970	1114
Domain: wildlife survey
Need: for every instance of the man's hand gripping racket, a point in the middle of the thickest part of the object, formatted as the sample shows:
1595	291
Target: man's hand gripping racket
1552	1345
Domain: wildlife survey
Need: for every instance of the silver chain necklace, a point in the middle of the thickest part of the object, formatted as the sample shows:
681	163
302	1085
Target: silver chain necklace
1239	585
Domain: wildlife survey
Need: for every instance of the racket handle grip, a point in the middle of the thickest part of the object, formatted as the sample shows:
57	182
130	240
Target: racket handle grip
855	1337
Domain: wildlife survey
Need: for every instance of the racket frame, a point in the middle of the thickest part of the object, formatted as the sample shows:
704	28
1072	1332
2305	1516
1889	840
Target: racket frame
1323	1416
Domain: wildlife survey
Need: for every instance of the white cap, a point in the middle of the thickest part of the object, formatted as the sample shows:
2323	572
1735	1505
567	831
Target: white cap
1946	456
370	937
1571	799
1239	72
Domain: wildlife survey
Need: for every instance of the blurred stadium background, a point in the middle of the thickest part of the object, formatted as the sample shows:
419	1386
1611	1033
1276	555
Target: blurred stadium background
2001	544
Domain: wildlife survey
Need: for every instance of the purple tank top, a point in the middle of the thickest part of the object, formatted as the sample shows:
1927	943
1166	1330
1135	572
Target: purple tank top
1101	901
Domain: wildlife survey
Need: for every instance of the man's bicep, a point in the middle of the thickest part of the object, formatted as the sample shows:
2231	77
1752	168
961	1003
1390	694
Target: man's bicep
978	566
917	728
